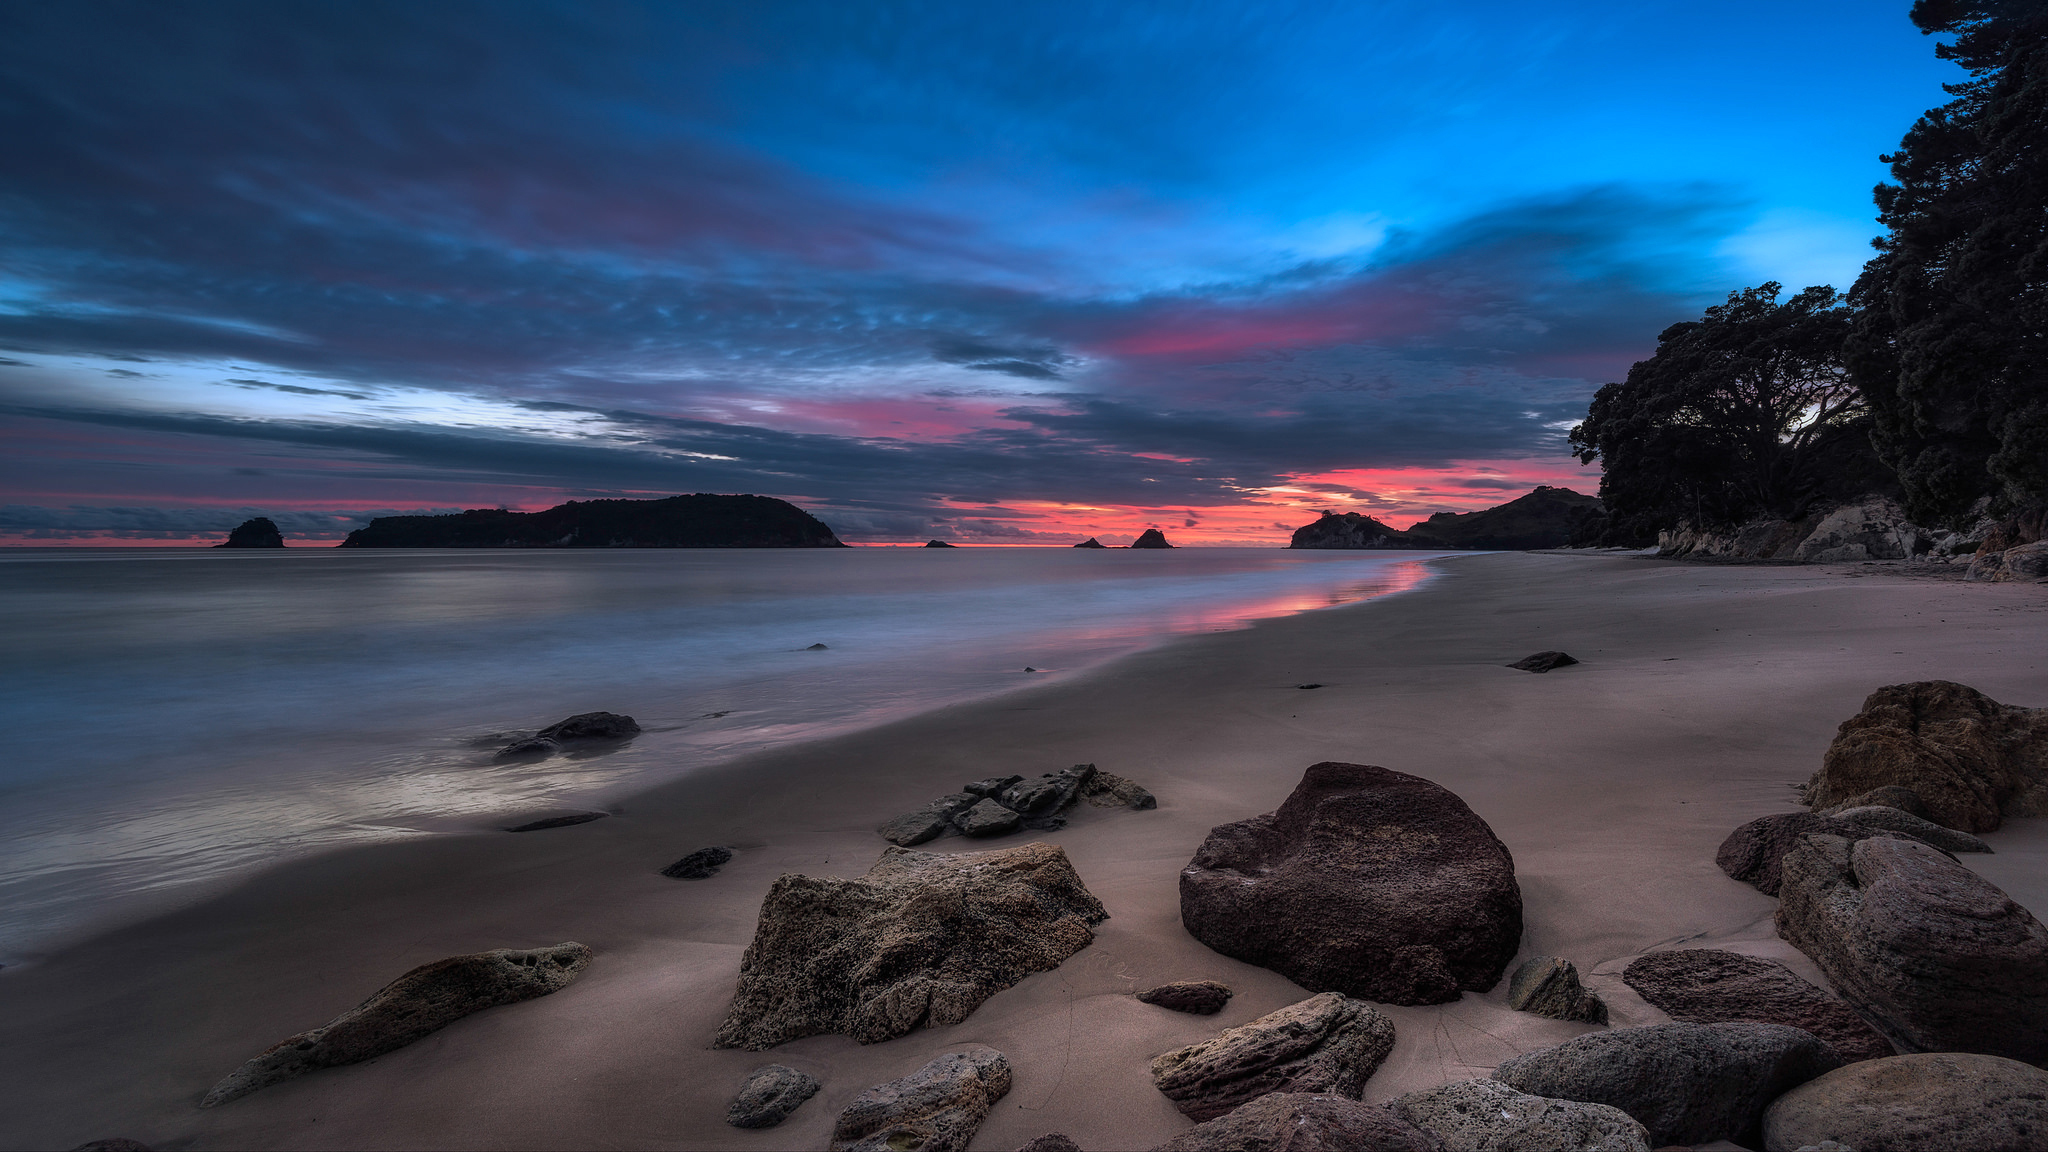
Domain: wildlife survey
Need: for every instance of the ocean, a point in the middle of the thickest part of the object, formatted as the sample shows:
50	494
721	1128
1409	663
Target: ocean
178	716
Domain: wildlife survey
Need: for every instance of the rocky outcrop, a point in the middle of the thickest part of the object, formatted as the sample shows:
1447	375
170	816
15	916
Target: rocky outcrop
1353	531
258	533
1091	542
1151	538
1707	986
921	940
702	864
2024	562
1304	1122
1327	1043
1930	952
1932	1102
421	1002
1549	986
700	521
1755	852
1685	1083
1004	804
769	1095
937	1108
1366	881
1545	517
1202	997
1927	831
936	544
1971	760
1870	528
1543	662
582	728
1489	1116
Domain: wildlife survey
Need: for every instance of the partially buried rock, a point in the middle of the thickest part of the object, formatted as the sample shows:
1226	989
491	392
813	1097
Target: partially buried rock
934	1109
1051	1142
1890	796
1970	759
1543	661
1304	1122
1549	986
987	818
1327	1043
1107	790
421	1002
921	940
1202	997
1489	1116
1930	1102
1708	986
582	728
1895	820
699	865
928	823
569	821
1686	1083
1936	956
1755	852
769	1096
1001	805
1366	881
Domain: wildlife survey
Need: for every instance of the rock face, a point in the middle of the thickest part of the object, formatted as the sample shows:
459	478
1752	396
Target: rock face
1927	831
1369	882
1003	804
421	1002
1543	662
1686	1083
2025	562
934	1109
1545	517
1875	528
922	939
1932	1102
1933	954
1754	853
769	1096
699	865
1489	1116
1549	986
700	521
1091	542
1327	1043
1971	760
1151	538
258	533
1706	986
1304	1122
1352	530
582	728
1202	997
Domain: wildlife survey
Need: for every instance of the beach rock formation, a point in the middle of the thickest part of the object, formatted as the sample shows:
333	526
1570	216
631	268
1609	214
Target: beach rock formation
1755	852
1971	760
1352	530
2024	562
1927	831
1366	881
1328	1043
1202	997
1151	538
1874	528
987	818
582	728
1890	796
568	821
258	533
421	1002
1685	1083
699	865
1108	790
1707	986
1050	1142
1549	986
922	939
1091	542
700	521
1004	804
769	1095
1934	955
1304	1122
1930	1102
936	544
1543	661
1489	1116
937	1108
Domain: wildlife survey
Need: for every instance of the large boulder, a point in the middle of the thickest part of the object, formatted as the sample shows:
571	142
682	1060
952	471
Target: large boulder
1708	986
1936	956
1928	1102
1327	1043
1489	1116
1897	820
1755	852
1686	1083
922	939
1875	528
423	1001
2025	562
1970	759
1549	986
1366	881
1304	1122
934	1109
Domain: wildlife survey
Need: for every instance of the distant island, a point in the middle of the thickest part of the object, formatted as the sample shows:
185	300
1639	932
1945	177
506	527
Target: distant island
700	521
1544	518
262	532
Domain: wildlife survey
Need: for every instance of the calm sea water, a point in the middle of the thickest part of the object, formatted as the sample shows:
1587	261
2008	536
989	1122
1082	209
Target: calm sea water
174	716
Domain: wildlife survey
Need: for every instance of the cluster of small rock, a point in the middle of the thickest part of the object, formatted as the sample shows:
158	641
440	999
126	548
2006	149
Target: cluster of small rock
1001	805
1876	528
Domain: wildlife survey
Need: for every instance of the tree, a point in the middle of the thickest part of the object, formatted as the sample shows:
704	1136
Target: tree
1950	346
1748	410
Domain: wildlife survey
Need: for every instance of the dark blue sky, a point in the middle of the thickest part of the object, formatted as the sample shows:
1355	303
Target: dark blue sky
1021	272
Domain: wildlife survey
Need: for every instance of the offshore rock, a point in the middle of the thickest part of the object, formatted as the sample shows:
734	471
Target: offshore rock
1707	986
1931	1102
1686	1083
704	520
921	940
1895	820
1936	956
769	1096
1971	760
1549	986
1366	881
1327	1043
934	1109
1151	538
258	533
1489	1116
1202	997
1091	542
702	864
1755	852
584	727
421	1002
1304	1122
936	544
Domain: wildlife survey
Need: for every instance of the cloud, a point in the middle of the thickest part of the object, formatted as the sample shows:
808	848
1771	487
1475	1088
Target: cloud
1030	363
291	389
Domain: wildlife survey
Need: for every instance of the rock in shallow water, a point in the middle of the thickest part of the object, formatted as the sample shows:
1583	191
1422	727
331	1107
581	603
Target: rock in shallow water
699	865
1706	986
1202	997
582	728
1304	1122
934	1109
1328	1043
769	1095
1549	986
1930	1102
1489	1116
421	1002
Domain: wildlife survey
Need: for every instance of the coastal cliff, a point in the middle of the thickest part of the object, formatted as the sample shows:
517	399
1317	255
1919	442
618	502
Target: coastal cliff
700	521
1544	518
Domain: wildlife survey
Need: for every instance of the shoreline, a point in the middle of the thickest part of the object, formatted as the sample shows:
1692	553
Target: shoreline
1705	691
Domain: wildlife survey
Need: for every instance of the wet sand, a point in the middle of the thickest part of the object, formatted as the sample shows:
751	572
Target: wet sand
1705	694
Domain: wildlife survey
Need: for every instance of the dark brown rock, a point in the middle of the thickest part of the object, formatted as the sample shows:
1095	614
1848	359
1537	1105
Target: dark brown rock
769	1095
1107	790
1970	759
1369	882
1934	955
1304	1122
1327	1043
699	865
1202	997
1754	852
934	1109
921	940
1051	1142
582	728
1931	1102
421	1002
1891	796
987	818
569	821
1543	662
1549	986
1706	986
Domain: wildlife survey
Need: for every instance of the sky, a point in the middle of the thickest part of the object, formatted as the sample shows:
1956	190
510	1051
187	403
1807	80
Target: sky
999	274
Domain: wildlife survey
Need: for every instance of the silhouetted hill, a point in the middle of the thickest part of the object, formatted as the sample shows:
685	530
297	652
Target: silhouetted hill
699	521
1542	519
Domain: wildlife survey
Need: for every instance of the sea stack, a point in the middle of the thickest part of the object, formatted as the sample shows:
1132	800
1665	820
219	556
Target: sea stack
1091	542
1153	538
936	544
257	533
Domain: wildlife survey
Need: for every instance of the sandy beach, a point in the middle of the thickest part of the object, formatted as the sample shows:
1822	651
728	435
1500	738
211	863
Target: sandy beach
1705	694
